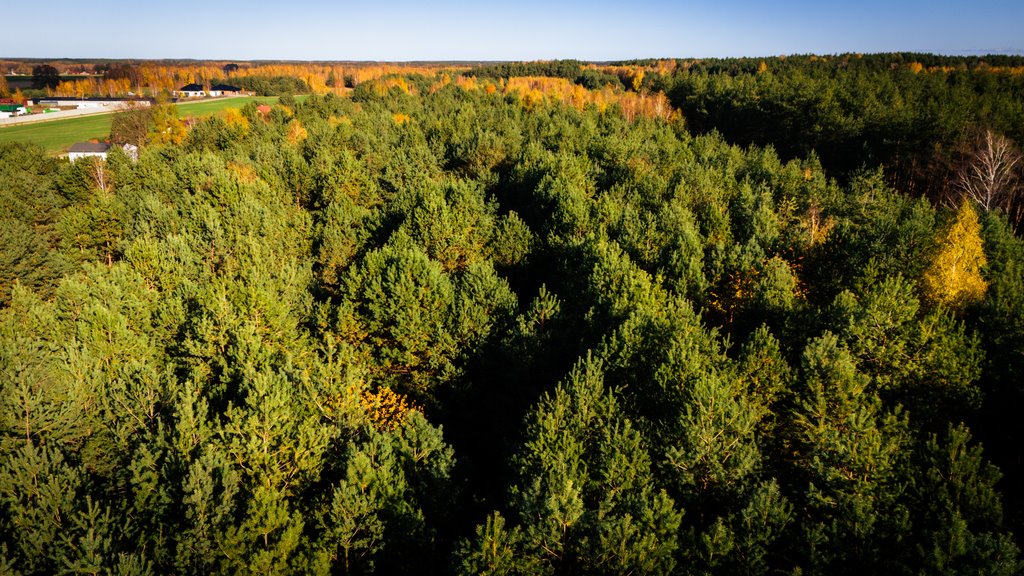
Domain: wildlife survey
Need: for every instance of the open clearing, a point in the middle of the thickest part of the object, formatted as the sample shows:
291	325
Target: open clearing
57	136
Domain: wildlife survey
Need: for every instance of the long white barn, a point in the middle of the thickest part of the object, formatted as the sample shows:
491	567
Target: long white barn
89	103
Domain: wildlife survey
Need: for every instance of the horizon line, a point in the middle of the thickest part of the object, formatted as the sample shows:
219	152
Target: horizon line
963	53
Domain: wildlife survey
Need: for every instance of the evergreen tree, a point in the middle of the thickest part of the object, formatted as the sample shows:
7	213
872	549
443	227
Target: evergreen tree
849	456
585	496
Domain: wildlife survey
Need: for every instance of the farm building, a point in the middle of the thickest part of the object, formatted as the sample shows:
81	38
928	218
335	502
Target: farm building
99	150
85	149
190	91
224	90
87	102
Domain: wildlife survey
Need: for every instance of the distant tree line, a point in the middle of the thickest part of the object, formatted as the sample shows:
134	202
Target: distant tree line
573	70
269	85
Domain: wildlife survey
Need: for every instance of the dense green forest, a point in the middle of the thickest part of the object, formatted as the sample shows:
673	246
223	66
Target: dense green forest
270	86
914	114
432	330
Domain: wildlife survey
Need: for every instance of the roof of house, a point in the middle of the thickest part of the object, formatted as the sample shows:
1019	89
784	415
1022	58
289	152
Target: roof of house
94	147
191	88
226	88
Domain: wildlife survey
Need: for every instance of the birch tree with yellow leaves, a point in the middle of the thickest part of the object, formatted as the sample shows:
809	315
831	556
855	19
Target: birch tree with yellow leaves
954	277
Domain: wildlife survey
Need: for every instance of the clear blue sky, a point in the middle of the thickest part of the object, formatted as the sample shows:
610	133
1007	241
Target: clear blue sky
401	30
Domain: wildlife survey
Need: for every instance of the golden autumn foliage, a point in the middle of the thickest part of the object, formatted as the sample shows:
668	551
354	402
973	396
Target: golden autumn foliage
637	80
153	78
296	131
531	98
234	117
400	118
167	127
534	91
93	86
243	172
386	409
366	73
335	121
467	83
446	79
954	277
382	86
628	72
317	75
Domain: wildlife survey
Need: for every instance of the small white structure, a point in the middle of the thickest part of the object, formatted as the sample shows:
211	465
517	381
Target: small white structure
132	151
85	149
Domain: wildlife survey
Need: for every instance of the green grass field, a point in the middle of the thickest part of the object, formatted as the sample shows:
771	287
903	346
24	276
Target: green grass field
56	136
207	107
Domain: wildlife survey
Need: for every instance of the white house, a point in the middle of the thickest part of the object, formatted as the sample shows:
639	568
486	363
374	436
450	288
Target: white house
84	149
100	150
190	91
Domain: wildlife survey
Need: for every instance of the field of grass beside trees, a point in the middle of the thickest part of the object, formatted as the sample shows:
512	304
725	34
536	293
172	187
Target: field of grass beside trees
699	321
55	136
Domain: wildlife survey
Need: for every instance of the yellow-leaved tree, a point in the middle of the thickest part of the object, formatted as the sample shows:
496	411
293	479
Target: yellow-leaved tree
296	131
638	81
234	117
954	278
166	127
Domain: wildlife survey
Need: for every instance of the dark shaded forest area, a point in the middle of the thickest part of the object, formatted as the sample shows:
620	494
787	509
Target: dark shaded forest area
439	329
